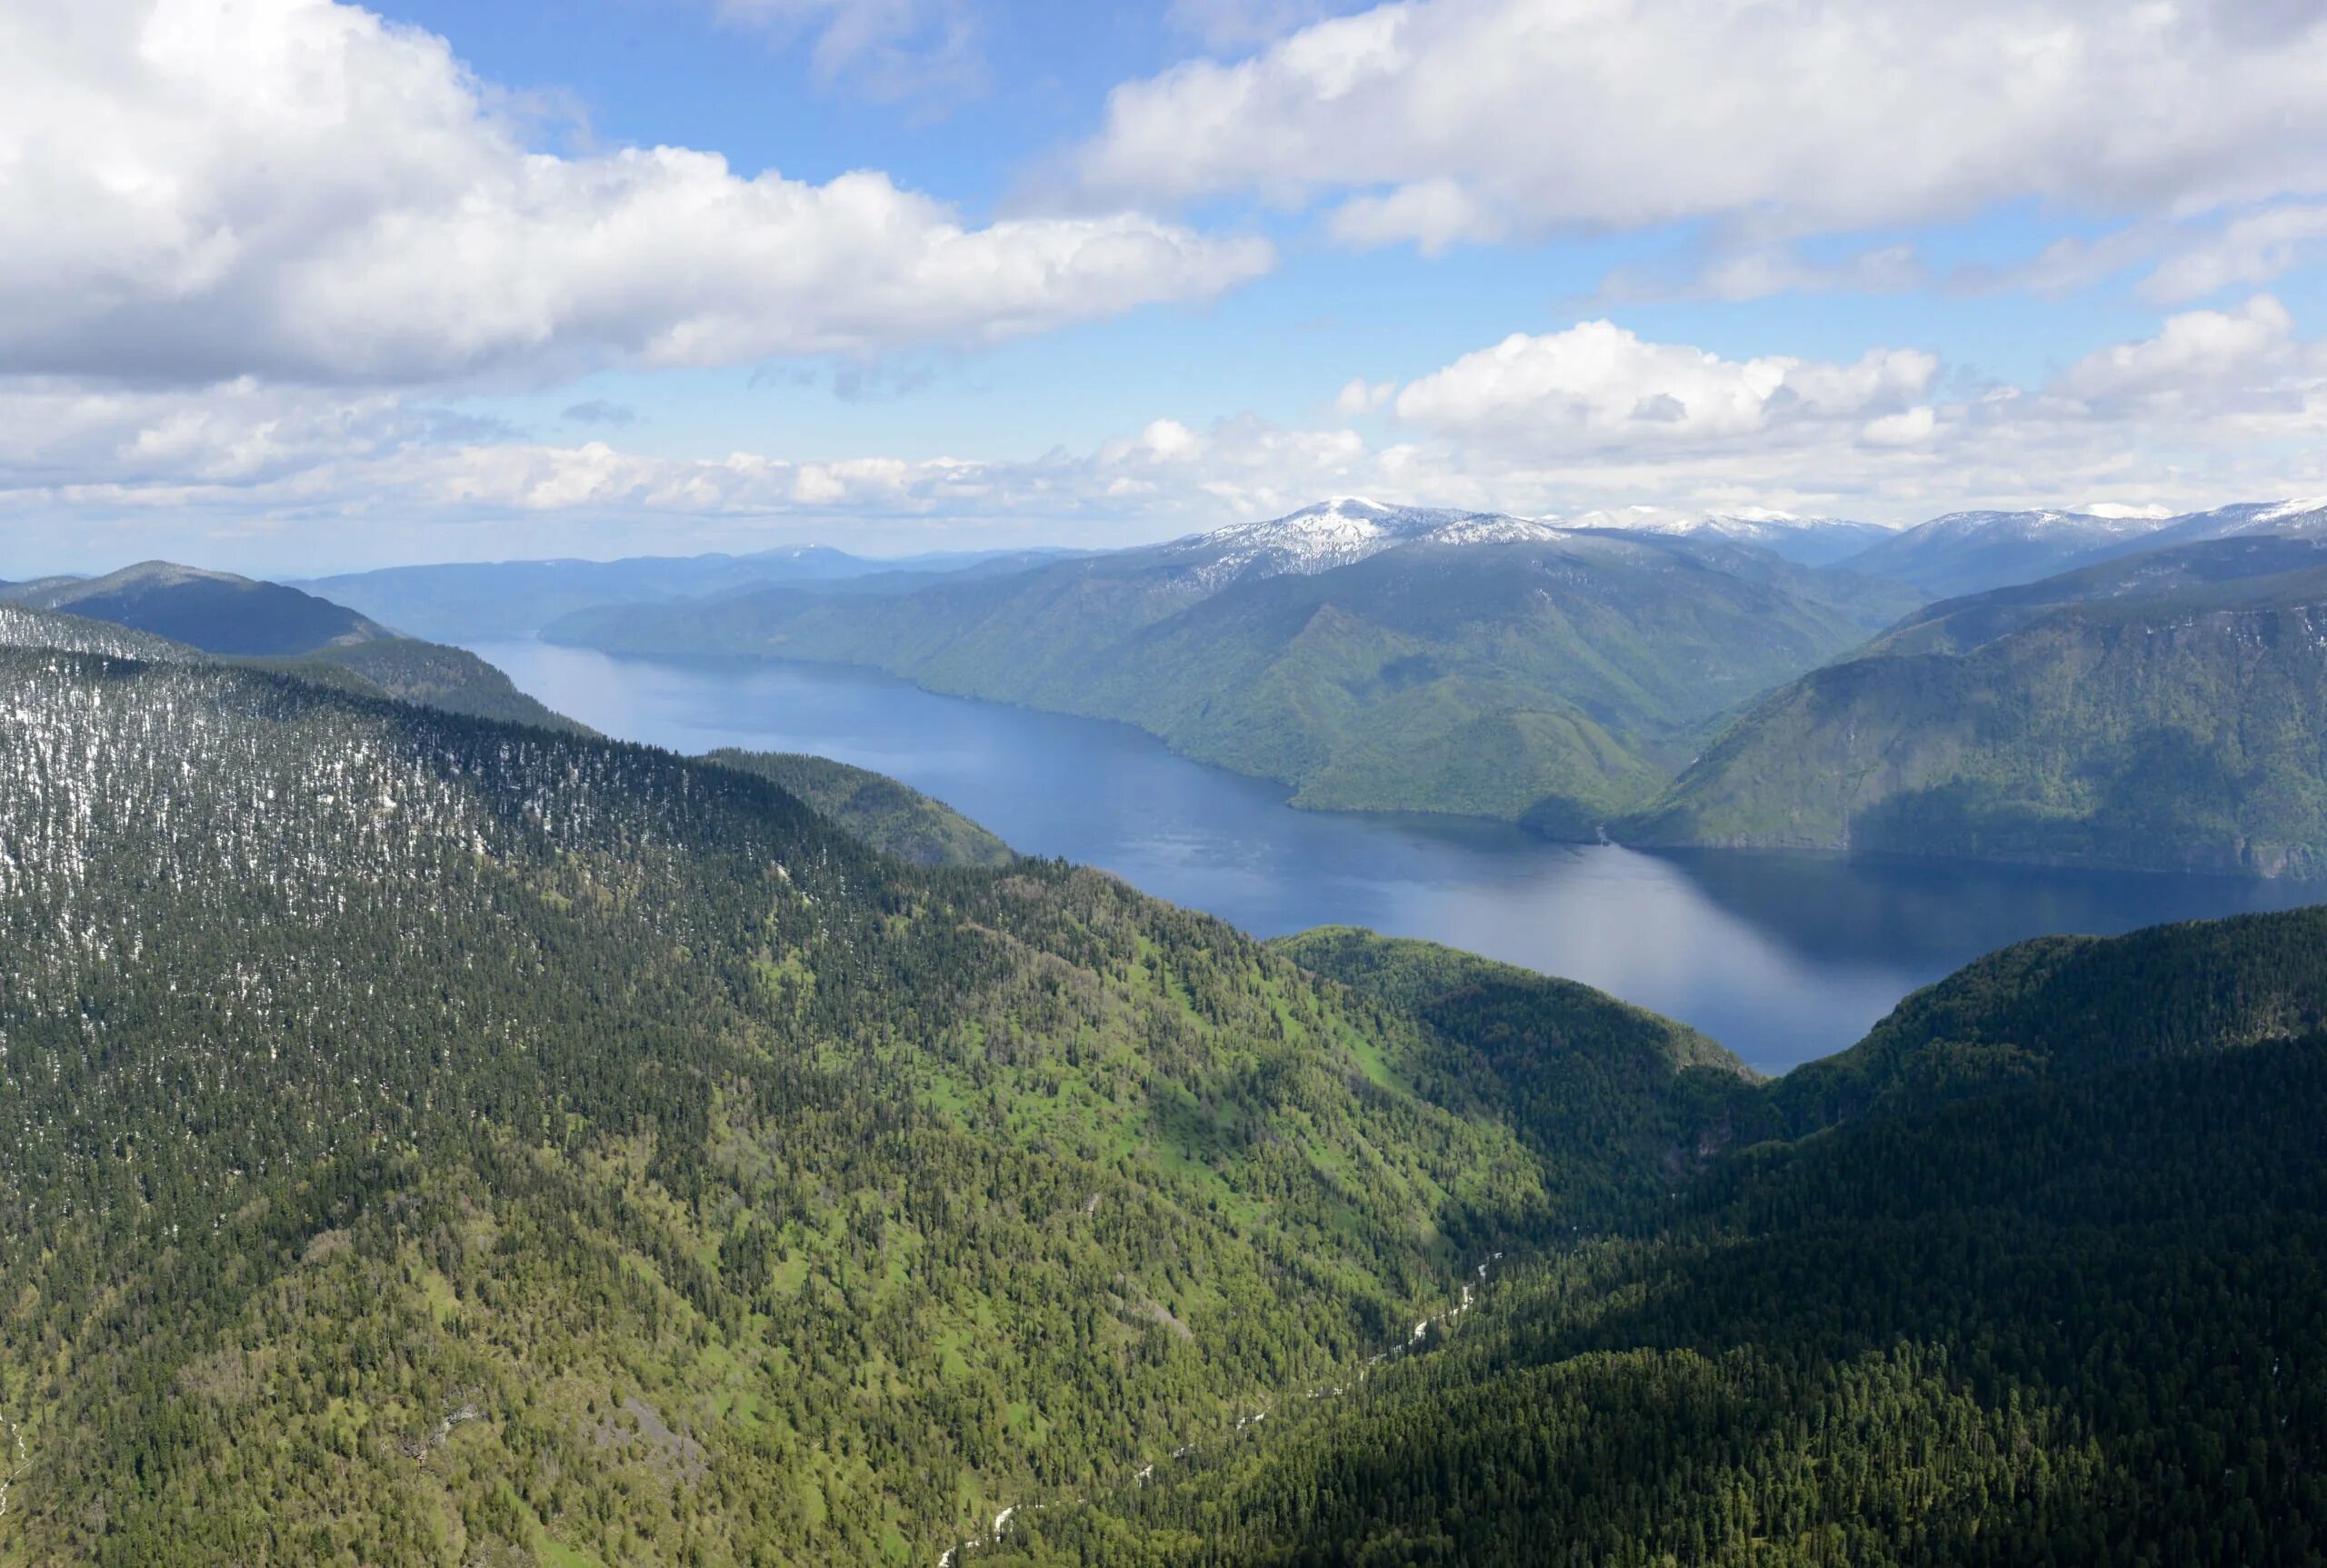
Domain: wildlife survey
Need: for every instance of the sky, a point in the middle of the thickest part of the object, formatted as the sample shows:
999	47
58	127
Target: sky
290	286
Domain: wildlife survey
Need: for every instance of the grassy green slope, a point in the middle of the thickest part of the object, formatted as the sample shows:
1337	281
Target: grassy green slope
1615	1100
1553	681
885	814
2060	1316
433	1141
2162	712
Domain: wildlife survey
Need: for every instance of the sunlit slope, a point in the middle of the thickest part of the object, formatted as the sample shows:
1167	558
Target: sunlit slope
427	1138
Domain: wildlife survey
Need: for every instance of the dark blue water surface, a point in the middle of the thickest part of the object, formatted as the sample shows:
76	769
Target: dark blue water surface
1781	957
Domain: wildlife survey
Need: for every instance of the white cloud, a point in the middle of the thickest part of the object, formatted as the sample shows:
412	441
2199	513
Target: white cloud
896	49
2194	354
297	190
2215	405
1363	396
2251	249
1437	120
1599	384
1758	271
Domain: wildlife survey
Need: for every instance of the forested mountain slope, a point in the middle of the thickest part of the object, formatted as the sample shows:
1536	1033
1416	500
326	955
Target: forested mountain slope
1967	552
886	814
227	614
1615	1101
424	1140
215	611
1485	666
2065	1315
2162	711
435	676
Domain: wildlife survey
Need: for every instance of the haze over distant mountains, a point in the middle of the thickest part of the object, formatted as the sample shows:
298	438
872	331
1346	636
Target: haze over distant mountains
462	600
1743	678
1371	658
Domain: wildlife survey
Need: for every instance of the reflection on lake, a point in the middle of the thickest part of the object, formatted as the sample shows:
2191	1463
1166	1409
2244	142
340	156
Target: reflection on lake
1781	957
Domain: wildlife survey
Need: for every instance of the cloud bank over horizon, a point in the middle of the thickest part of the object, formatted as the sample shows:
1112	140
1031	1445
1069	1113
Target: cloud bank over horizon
287	282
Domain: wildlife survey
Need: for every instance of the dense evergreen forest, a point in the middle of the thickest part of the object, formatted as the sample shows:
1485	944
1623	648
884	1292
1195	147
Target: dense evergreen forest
2161	712
879	810
430	1140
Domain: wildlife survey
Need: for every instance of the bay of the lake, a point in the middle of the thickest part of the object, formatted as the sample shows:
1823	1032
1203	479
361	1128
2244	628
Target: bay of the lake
1781	957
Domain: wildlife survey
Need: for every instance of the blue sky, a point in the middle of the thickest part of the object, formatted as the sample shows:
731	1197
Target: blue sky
303	286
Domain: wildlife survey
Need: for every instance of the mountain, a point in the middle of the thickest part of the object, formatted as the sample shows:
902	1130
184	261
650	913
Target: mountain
1338	533
1613	1099
885	814
1972	552
1969	552
452	679
1369	657
398	668
425	1139
2064	1312
213	611
462	602
2160	711
22	627
2298	519
431	1140
1805	541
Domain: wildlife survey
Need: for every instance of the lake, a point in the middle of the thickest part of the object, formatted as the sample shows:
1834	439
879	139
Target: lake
1781	957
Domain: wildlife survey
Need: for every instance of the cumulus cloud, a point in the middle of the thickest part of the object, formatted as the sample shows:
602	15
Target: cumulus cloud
298	190
895	49
1599	384
1440	119
2213	405
2251	249
2195	353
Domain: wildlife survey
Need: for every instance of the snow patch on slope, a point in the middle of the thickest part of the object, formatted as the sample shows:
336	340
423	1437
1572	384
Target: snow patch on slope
1343	532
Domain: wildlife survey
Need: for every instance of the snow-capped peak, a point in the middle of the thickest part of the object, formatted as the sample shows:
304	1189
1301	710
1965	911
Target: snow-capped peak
2286	509
1343	531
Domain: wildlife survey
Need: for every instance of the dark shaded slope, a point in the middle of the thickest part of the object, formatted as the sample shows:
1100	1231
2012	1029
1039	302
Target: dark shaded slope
213	611
2063	1317
1616	1100
2168	711
885	814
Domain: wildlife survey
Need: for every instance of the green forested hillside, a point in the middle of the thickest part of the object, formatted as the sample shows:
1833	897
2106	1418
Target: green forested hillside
430	1141
1615	1101
424	1140
2068	1315
171	614
435	676
216	612
877	808
1555	681
2164	710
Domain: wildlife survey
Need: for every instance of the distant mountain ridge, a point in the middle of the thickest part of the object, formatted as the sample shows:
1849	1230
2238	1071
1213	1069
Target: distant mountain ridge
1370	657
464	601
215	611
1971	552
218	616
1805	541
